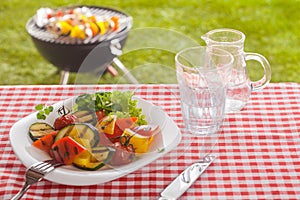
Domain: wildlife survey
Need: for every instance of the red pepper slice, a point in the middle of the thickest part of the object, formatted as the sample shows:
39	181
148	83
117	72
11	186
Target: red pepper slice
45	143
66	150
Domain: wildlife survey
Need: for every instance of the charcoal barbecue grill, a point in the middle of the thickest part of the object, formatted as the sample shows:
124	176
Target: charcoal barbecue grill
77	55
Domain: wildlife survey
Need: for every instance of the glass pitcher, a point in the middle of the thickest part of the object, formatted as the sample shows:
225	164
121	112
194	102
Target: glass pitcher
240	86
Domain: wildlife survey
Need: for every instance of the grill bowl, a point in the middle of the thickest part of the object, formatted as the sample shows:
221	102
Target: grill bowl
69	55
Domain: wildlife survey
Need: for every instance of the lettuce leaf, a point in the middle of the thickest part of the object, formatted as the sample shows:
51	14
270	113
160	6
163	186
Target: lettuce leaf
119	103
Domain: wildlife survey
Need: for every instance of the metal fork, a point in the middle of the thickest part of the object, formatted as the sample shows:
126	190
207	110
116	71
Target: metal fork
35	173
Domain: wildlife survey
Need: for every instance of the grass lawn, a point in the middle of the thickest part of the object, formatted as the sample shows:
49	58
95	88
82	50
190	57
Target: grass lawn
272	28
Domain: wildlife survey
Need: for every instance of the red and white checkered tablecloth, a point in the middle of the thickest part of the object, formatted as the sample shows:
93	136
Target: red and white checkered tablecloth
258	148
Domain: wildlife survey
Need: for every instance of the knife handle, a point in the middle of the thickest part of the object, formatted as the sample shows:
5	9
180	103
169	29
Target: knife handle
182	182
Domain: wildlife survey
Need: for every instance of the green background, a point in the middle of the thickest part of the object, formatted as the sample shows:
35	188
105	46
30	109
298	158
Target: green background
272	28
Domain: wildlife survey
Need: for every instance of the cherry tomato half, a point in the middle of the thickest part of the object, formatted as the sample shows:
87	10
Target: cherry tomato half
123	154
100	114
64	120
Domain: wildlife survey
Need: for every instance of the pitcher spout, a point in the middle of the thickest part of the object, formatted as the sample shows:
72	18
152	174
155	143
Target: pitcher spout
205	37
224	37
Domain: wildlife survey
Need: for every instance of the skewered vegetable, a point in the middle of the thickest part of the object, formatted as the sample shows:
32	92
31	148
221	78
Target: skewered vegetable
76	22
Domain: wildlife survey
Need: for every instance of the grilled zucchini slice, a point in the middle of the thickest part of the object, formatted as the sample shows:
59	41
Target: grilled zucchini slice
39	129
85	134
86	116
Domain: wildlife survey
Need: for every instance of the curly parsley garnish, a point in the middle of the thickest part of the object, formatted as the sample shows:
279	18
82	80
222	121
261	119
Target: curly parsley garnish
43	111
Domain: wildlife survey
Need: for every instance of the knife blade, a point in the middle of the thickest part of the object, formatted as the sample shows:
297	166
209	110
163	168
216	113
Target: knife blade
182	182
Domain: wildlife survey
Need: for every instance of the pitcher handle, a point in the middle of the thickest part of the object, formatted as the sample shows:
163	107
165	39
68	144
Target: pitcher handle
264	81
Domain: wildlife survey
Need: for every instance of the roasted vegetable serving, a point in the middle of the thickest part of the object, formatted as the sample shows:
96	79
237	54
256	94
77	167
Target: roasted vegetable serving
101	129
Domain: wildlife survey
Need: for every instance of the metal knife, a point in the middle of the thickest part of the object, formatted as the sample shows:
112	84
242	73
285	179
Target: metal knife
178	186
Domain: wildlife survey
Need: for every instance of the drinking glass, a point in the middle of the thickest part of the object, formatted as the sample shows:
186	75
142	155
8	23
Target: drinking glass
203	74
240	85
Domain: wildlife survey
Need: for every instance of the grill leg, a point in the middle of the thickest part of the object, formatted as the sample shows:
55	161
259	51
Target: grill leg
64	76
128	75
112	71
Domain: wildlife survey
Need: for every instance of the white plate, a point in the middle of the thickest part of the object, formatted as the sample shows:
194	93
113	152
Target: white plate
69	175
